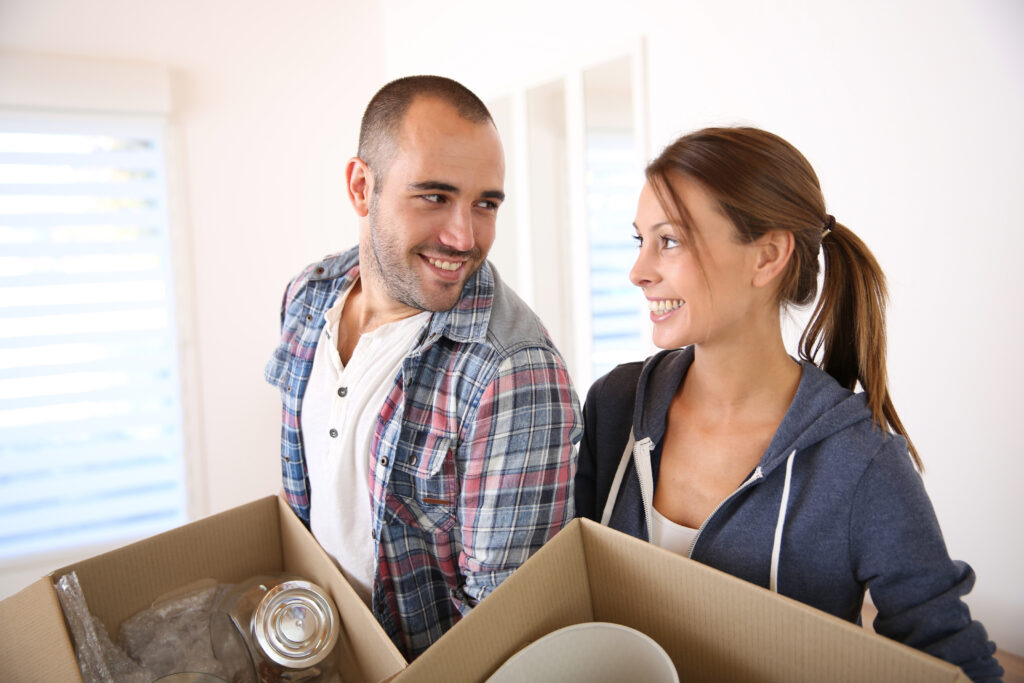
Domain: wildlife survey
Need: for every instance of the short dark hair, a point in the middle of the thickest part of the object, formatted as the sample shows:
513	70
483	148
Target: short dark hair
384	114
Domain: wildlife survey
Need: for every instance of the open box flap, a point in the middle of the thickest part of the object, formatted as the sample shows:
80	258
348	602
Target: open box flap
718	627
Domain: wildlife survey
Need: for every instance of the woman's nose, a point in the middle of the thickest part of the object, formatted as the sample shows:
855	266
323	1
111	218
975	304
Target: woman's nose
642	274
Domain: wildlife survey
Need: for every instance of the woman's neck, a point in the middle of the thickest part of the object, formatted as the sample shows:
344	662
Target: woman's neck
748	379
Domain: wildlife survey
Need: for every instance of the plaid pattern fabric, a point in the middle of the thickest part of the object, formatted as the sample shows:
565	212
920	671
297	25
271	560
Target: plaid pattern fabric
473	453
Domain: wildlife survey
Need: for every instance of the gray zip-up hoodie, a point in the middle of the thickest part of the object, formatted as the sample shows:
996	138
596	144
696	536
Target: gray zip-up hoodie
835	506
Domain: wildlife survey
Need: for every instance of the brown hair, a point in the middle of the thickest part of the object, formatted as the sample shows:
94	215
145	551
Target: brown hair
384	114
763	183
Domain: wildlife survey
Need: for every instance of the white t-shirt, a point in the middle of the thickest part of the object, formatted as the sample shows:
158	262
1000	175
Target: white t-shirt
339	414
671	536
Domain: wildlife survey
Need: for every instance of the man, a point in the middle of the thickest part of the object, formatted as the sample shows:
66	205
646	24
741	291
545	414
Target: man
429	422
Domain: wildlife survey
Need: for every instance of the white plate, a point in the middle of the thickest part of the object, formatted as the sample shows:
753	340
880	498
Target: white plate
593	652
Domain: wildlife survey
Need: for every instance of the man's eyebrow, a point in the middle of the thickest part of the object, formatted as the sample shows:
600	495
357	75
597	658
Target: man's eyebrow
433	185
494	194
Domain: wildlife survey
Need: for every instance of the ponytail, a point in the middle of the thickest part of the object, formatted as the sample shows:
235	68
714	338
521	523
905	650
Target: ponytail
848	326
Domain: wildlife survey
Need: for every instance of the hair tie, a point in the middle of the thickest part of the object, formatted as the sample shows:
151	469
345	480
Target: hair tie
829	224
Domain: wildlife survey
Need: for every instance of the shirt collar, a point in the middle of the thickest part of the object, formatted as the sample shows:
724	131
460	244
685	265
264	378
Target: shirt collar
468	320
344	264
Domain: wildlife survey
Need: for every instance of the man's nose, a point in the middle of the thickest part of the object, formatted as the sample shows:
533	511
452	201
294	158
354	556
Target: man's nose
458	231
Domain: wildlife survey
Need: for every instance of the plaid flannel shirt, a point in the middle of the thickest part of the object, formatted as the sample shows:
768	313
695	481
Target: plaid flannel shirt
473	455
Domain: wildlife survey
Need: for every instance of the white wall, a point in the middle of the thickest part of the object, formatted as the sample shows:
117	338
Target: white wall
911	114
266	100
908	111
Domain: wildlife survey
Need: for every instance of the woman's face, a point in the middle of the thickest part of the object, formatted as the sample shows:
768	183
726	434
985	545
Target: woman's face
687	307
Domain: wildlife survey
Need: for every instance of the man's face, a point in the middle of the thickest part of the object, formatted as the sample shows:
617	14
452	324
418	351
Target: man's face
431	221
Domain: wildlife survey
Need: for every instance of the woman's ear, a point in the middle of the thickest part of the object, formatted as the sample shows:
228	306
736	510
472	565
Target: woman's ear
359	181
774	249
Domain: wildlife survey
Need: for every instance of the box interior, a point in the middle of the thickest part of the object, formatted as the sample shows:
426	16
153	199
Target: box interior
259	537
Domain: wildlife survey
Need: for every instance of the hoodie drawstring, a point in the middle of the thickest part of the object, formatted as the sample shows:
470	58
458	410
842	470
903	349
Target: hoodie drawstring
613	494
777	545
640	453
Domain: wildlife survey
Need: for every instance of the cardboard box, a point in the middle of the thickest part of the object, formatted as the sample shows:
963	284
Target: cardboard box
262	536
714	626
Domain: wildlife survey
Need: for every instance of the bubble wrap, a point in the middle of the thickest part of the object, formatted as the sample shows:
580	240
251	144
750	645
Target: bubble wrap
169	637
174	635
99	660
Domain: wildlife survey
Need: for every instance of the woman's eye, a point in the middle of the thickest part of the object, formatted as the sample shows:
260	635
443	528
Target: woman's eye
639	240
668	242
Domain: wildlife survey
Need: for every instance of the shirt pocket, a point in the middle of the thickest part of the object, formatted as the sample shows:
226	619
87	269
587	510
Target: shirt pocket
423	482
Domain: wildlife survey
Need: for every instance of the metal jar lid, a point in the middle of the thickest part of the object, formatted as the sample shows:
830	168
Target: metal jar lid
296	624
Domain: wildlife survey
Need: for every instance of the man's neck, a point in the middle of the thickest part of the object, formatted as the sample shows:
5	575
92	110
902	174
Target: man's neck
364	311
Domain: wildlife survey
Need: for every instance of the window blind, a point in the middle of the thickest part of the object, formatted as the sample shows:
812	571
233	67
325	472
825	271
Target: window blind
618	318
90	421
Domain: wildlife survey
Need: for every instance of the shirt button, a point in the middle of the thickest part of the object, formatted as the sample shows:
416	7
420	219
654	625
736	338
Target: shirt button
413	459
319	271
373	534
342	391
333	433
384	461
308	318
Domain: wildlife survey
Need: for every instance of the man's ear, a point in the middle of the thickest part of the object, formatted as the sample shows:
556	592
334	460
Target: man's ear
359	181
774	249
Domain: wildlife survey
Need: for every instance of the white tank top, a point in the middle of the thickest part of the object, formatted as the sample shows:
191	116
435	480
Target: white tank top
671	536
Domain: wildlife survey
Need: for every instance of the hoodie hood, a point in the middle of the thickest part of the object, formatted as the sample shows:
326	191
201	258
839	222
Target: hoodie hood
820	409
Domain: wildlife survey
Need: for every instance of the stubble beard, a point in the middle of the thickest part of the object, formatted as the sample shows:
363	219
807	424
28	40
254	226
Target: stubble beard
392	269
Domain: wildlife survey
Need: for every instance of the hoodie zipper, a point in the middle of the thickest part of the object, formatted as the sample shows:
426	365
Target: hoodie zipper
757	476
642	463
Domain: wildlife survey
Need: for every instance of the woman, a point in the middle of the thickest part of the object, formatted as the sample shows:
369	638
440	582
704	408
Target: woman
726	449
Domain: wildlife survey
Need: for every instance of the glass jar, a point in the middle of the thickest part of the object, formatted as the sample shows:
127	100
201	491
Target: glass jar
275	628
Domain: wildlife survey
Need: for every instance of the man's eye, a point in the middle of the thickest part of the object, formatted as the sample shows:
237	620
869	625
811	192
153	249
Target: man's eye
487	204
433	198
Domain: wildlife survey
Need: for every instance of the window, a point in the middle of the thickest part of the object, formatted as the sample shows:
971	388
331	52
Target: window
90	420
617	320
575	149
